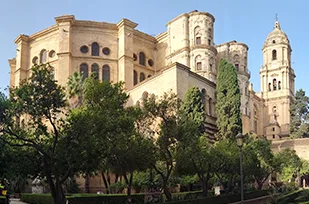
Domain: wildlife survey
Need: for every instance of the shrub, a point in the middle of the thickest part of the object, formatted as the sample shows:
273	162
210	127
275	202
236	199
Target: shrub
222	199
37	198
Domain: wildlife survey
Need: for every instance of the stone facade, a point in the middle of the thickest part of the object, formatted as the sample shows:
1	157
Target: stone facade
181	57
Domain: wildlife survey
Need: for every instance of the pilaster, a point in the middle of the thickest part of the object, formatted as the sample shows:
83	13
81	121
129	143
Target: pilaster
125	52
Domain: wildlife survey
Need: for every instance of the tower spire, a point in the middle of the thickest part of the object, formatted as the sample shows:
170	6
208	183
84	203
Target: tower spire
277	24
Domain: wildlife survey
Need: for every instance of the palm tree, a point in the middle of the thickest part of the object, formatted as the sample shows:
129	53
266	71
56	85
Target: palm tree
75	89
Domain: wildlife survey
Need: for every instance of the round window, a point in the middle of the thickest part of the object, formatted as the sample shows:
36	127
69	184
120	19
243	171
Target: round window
150	62
35	60
134	57
106	51
52	54
84	49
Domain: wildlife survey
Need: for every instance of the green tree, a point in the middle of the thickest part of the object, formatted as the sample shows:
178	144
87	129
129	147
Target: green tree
34	117
228	112
299	115
290	165
160	122
259	161
123	149
75	89
225	165
193	143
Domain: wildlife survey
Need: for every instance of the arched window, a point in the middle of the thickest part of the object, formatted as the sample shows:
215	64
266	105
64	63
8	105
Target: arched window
84	69
210	64
95	50
209	36
274	54
134	77
43	56
246	108
95	70
279	85
198	63
197	35
142	58
209	32
210	106
106	73
236	58
269	86
141	77
274	84
204	96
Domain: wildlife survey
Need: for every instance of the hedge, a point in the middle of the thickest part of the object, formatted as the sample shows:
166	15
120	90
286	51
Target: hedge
83	198
191	198
225	199
104	199
36	198
2	200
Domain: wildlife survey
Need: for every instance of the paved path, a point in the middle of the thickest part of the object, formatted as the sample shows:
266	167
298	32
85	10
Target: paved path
16	201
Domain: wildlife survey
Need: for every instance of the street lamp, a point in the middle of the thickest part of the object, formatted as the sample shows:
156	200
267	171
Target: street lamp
240	142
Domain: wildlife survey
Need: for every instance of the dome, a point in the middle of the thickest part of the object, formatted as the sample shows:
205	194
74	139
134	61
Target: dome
276	36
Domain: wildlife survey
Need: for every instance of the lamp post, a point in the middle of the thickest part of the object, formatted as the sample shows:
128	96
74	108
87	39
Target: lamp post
240	142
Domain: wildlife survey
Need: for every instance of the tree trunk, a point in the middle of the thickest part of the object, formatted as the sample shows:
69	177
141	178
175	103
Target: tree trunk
129	185
105	183
205	184
60	197
166	190
87	183
260	185
56	190
108	178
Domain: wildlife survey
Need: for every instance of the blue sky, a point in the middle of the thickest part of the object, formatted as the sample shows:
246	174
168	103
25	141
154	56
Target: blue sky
247	21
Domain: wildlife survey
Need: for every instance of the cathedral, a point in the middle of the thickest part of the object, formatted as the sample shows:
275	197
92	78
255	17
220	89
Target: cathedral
183	56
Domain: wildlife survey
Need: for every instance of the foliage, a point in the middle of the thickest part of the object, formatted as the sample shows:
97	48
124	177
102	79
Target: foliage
228	112
160	122
225	164
299	115
290	164
121	148
75	89
33	118
259	161
193	143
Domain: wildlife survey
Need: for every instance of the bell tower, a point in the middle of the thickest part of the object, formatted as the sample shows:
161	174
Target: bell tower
277	83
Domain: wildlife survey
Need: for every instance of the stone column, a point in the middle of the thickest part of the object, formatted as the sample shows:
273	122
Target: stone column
22	58
65	47
125	52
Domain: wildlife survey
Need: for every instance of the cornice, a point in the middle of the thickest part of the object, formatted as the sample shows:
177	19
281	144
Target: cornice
233	42
21	37
94	24
178	52
203	13
195	75
44	32
178	17
12	62
161	36
65	18
281	68
126	22
213	49
239	43
145	36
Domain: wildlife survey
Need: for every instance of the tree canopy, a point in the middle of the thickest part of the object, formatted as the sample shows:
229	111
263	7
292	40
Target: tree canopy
228	112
